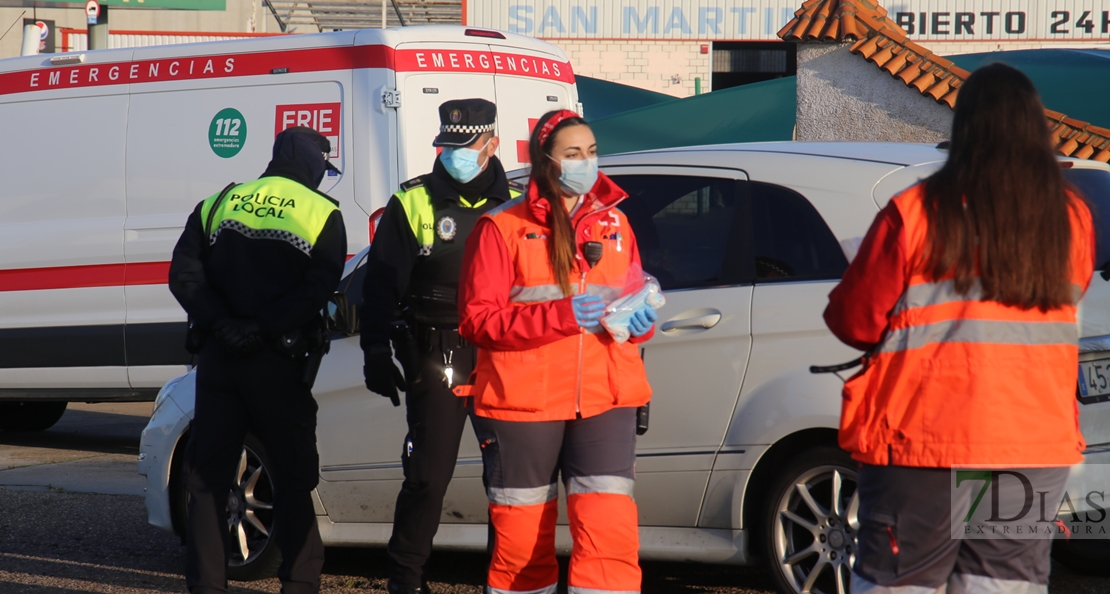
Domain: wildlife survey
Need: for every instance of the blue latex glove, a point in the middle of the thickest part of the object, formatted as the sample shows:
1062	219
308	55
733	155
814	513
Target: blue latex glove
643	320
588	310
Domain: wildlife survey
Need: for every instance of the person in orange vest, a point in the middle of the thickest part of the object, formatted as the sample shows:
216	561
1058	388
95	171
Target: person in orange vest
964	292
554	393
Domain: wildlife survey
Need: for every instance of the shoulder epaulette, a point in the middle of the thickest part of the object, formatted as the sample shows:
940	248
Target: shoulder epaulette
408	185
518	186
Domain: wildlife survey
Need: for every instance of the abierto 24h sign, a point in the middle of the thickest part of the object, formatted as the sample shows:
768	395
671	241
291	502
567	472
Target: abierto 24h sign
923	20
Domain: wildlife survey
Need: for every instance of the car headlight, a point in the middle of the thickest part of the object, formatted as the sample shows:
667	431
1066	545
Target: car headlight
164	393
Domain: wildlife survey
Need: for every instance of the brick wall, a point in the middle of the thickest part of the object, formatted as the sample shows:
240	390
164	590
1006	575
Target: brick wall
669	67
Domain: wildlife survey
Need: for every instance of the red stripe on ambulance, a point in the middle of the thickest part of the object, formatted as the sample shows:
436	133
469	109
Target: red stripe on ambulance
304	60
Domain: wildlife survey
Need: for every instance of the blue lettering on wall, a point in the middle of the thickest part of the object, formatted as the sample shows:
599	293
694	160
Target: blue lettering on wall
551	20
520	21
677	20
710	20
630	15
587	20
741	14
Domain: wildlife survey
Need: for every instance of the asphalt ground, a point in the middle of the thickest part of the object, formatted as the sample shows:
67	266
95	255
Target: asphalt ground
72	520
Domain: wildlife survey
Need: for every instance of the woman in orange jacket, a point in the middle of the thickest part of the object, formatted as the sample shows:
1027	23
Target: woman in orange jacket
554	392
964	293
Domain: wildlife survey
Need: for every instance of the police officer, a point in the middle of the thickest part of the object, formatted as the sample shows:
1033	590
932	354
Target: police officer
253	269
414	263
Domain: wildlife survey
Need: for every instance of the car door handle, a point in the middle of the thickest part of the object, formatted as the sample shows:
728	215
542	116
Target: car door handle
702	322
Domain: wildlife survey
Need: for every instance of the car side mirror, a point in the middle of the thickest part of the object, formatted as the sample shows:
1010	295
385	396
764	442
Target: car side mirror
343	317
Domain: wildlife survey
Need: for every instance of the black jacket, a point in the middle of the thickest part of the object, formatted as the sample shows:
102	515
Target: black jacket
269	281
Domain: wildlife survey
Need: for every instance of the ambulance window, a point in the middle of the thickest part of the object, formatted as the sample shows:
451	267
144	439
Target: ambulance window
791	240
683	225
1095	185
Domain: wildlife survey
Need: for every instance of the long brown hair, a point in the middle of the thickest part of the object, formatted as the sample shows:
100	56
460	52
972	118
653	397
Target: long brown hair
545	173
998	209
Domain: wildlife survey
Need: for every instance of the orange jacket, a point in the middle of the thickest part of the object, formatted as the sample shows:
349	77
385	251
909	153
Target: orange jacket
955	379
534	362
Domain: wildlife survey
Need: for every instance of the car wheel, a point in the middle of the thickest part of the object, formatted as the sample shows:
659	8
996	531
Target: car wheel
812	522
30	416
253	553
1086	556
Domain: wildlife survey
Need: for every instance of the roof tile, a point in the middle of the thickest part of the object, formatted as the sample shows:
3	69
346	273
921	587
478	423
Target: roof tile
880	40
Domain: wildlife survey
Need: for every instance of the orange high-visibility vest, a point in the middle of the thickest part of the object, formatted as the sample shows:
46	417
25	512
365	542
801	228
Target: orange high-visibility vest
959	380
581	375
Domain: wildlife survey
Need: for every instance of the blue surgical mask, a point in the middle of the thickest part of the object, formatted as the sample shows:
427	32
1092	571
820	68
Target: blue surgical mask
578	176
463	163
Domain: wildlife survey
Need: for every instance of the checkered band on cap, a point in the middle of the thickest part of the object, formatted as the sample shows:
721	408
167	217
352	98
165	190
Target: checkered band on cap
454	129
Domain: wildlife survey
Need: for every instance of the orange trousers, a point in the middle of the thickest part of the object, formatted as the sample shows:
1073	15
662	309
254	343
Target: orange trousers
595	459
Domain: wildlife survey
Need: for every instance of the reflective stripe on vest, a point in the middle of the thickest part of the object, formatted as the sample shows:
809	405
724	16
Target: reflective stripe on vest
418	205
541	293
962	380
522	495
271	208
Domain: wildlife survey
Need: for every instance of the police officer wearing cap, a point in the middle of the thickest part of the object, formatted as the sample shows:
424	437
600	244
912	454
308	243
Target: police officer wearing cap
253	268
412	275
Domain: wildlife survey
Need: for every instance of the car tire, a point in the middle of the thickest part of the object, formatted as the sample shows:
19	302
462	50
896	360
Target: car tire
30	416
809	542
253	552
1086	556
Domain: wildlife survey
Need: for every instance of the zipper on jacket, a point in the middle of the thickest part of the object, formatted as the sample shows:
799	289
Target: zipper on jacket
580	349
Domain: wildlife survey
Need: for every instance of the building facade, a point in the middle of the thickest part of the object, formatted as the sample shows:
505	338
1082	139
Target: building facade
681	46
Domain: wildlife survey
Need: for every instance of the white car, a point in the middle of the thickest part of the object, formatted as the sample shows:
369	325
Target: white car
740	463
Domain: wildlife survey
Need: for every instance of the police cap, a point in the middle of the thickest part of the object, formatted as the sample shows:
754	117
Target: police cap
463	120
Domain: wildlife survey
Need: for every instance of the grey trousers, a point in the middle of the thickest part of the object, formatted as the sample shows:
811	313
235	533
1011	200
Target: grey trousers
906	543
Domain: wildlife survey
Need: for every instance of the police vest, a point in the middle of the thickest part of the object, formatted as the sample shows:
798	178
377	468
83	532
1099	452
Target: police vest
960	380
273	208
441	228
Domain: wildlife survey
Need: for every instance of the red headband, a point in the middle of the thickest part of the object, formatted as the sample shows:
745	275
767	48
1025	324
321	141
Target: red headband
559	117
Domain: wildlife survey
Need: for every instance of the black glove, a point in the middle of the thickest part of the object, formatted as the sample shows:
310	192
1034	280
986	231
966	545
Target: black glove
382	376
240	338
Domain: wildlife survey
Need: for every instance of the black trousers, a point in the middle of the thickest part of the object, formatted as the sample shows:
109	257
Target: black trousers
435	418
262	394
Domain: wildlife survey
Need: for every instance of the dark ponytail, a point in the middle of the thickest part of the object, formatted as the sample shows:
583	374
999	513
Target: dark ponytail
545	174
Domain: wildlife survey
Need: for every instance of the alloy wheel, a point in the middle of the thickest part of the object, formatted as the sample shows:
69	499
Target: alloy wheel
815	531
250	509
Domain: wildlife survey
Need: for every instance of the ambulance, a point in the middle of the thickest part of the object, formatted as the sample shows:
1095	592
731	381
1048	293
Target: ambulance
105	153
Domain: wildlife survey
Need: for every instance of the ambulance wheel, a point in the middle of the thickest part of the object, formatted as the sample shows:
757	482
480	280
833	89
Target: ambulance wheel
811	520
1086	556
253	554
30	416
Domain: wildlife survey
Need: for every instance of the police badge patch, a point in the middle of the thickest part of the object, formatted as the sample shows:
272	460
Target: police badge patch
446	228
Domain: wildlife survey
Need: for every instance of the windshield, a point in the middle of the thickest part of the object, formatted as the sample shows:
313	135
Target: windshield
1095	185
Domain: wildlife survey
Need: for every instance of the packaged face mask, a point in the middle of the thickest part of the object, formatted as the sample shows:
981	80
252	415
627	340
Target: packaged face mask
619	312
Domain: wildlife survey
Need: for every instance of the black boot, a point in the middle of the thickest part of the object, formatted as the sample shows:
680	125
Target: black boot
394	587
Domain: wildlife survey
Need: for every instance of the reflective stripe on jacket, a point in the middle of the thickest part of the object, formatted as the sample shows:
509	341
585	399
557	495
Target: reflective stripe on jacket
534	362
954	379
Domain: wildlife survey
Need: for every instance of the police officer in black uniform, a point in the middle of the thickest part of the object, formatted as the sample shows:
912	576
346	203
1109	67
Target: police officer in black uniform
253	269
414	264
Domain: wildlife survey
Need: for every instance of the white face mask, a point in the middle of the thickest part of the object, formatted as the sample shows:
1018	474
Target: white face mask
578	176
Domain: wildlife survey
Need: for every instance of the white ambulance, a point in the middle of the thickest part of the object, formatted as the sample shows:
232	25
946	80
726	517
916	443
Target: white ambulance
105	153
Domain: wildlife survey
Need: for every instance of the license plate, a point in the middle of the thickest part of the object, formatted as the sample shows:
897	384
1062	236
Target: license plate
1094	378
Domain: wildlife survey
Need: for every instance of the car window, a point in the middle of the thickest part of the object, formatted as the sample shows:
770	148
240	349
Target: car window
683	225
791	240
1095	185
